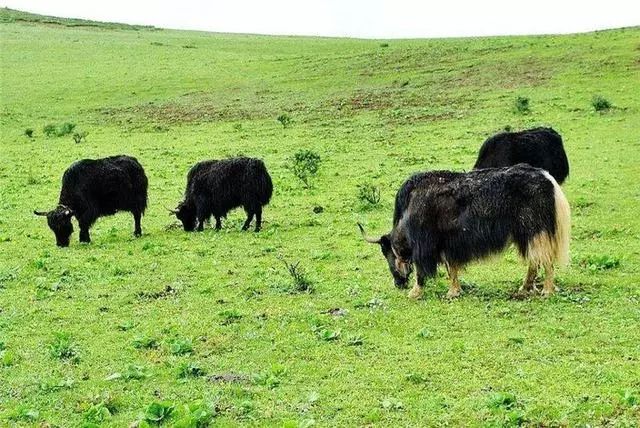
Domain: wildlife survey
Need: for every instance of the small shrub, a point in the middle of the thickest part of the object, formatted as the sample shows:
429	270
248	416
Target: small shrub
600	103
80	136
49	130
305	164
505	400
65	129
300	280
369	194
64	348
285	120
28	133
522	105
384	45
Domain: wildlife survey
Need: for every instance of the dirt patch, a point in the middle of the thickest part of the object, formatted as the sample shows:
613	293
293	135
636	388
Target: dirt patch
228	378
506	74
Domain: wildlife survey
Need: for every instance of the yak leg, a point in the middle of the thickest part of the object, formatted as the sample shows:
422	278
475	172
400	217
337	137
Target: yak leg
84	232
258	219
247	222
418	288
218	223
138	229
454	289
549	288
528	283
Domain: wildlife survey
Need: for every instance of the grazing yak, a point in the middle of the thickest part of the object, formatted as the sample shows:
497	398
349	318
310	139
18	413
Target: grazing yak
93	188
215	187
453	218
539	147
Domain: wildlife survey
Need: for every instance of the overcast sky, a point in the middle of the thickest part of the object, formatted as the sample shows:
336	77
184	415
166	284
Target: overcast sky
354	18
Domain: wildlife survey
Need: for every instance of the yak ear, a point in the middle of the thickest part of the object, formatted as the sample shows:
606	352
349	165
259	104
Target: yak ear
367	238
40	213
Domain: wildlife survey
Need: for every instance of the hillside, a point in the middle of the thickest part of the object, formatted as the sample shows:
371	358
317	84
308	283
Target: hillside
97	333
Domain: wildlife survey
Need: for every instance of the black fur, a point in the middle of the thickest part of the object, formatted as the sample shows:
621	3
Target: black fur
93	188
215	187
539	147
460	217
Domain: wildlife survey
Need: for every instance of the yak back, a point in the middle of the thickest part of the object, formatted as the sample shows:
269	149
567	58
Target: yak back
230	183
468	216
105	186
538	147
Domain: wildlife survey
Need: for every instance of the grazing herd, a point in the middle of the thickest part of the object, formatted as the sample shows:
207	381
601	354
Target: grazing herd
440	217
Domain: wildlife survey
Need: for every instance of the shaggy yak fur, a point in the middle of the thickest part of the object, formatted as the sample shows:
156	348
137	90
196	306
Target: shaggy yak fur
539	147
93	188
454	218
215	187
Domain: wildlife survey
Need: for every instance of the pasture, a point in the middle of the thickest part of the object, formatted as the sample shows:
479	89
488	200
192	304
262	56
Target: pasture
161	327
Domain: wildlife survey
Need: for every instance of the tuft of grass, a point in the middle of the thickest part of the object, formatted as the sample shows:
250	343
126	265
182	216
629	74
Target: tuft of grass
523	105
600	103
63	347
28	133
145	342
285	120
60	130
300	281
369	194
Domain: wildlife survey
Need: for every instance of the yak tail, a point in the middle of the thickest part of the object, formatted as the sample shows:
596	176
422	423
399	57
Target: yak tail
563	224
545	249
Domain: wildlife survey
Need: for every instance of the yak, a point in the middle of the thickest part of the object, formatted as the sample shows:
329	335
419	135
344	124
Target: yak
93	188
454	218
538	147
215	187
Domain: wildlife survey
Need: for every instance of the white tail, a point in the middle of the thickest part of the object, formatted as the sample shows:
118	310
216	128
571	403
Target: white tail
560	241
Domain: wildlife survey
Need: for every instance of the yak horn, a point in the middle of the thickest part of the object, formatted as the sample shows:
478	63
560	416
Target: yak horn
42	213
367	238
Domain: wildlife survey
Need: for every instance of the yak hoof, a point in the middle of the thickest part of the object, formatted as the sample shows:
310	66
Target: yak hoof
415	293
547	292
452	294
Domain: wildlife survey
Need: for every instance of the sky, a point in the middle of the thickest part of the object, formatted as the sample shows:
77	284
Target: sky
380	19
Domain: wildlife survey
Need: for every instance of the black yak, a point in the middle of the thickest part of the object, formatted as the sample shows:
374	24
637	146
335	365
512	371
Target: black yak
539	147
93	188
215	187
453	218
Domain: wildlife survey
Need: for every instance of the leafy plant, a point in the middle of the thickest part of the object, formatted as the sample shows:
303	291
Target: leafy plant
369	194
327	334
504	400
190	369
285	120
145	342
522	105
195	415
230	317
64	348
132	372
180	347
158	412
598	263
52	130
305	164
49	130
28	133
80	136
600	103
301	283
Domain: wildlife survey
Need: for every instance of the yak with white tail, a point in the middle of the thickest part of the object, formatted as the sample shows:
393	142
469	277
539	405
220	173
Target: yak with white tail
454	218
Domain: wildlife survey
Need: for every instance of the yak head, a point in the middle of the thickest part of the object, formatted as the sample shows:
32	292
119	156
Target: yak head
186	213
59	220
397	253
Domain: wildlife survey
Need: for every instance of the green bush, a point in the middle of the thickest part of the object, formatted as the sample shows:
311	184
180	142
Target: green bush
305	164
369	194
52	130
522	105
600	103
285	120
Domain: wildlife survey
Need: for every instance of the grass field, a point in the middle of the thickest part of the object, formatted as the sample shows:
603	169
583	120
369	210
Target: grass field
124	329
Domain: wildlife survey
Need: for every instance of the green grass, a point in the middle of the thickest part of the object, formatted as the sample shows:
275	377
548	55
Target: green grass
181	326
